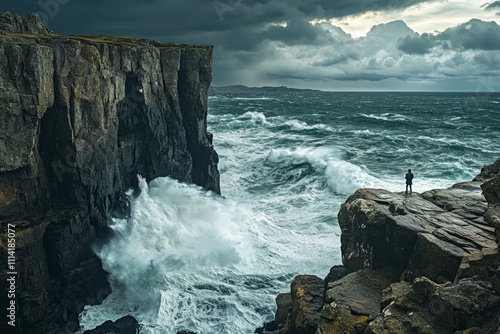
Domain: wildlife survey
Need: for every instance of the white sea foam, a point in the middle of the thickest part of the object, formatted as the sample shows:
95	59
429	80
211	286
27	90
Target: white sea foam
343	177
255	116
315	156
187	259
386	117
177	237
261	98
300	126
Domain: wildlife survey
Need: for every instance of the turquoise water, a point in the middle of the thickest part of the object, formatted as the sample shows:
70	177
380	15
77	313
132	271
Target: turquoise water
188	259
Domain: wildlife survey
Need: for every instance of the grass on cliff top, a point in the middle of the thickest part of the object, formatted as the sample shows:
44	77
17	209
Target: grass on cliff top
28	38
130	41
114	40
24	38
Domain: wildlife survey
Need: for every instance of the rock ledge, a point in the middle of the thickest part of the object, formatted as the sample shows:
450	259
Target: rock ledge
419	263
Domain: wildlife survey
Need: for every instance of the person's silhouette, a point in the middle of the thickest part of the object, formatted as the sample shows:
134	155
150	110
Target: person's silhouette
409	180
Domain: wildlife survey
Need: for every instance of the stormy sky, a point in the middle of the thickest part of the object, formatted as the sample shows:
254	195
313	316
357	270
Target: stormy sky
430	45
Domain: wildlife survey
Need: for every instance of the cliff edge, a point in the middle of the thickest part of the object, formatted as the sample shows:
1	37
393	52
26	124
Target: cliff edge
80	118
418	263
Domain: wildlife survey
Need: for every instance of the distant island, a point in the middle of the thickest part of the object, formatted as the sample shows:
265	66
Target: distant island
245	89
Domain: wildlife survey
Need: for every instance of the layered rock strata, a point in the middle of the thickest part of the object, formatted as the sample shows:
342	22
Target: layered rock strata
419	263
80	118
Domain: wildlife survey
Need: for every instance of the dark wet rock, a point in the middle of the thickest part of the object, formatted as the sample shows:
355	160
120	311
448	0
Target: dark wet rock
491	190
269	327
484	266
465	199
426	307
307	302
488	171
80	118
382	229
125	325
336	273
284	303
352	302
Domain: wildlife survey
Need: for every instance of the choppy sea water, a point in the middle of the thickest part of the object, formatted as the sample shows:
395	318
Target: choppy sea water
189	260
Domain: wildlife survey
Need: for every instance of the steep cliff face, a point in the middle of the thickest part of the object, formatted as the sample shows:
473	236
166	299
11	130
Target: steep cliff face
80	117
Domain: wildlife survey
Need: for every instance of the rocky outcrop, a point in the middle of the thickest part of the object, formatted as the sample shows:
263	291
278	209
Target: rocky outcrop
125	325
307	294
382	229
419	263
12	23
491	190
80	118
352	302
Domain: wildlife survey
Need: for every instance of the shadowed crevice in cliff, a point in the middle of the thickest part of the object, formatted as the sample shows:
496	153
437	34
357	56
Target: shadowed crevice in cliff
132	132
57	152
193	90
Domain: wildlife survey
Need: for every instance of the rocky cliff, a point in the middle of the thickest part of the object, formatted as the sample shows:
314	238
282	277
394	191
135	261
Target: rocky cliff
419	263
80	118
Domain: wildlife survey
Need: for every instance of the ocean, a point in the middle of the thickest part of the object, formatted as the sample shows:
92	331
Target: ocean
190	260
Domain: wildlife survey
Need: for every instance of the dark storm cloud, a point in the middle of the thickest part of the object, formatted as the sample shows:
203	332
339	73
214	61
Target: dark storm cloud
416	44
339	8
271	42
145	17
297	32
473	35
492	6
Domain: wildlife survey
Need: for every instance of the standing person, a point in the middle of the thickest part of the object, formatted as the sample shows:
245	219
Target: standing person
409	180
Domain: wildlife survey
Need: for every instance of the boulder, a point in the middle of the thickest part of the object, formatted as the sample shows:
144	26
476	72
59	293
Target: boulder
352	302
307	294
336	273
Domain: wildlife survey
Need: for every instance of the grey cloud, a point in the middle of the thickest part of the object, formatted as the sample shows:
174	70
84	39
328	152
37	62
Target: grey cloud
473	35
489	60
391	31
416	44
298	32
341	8
342	57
